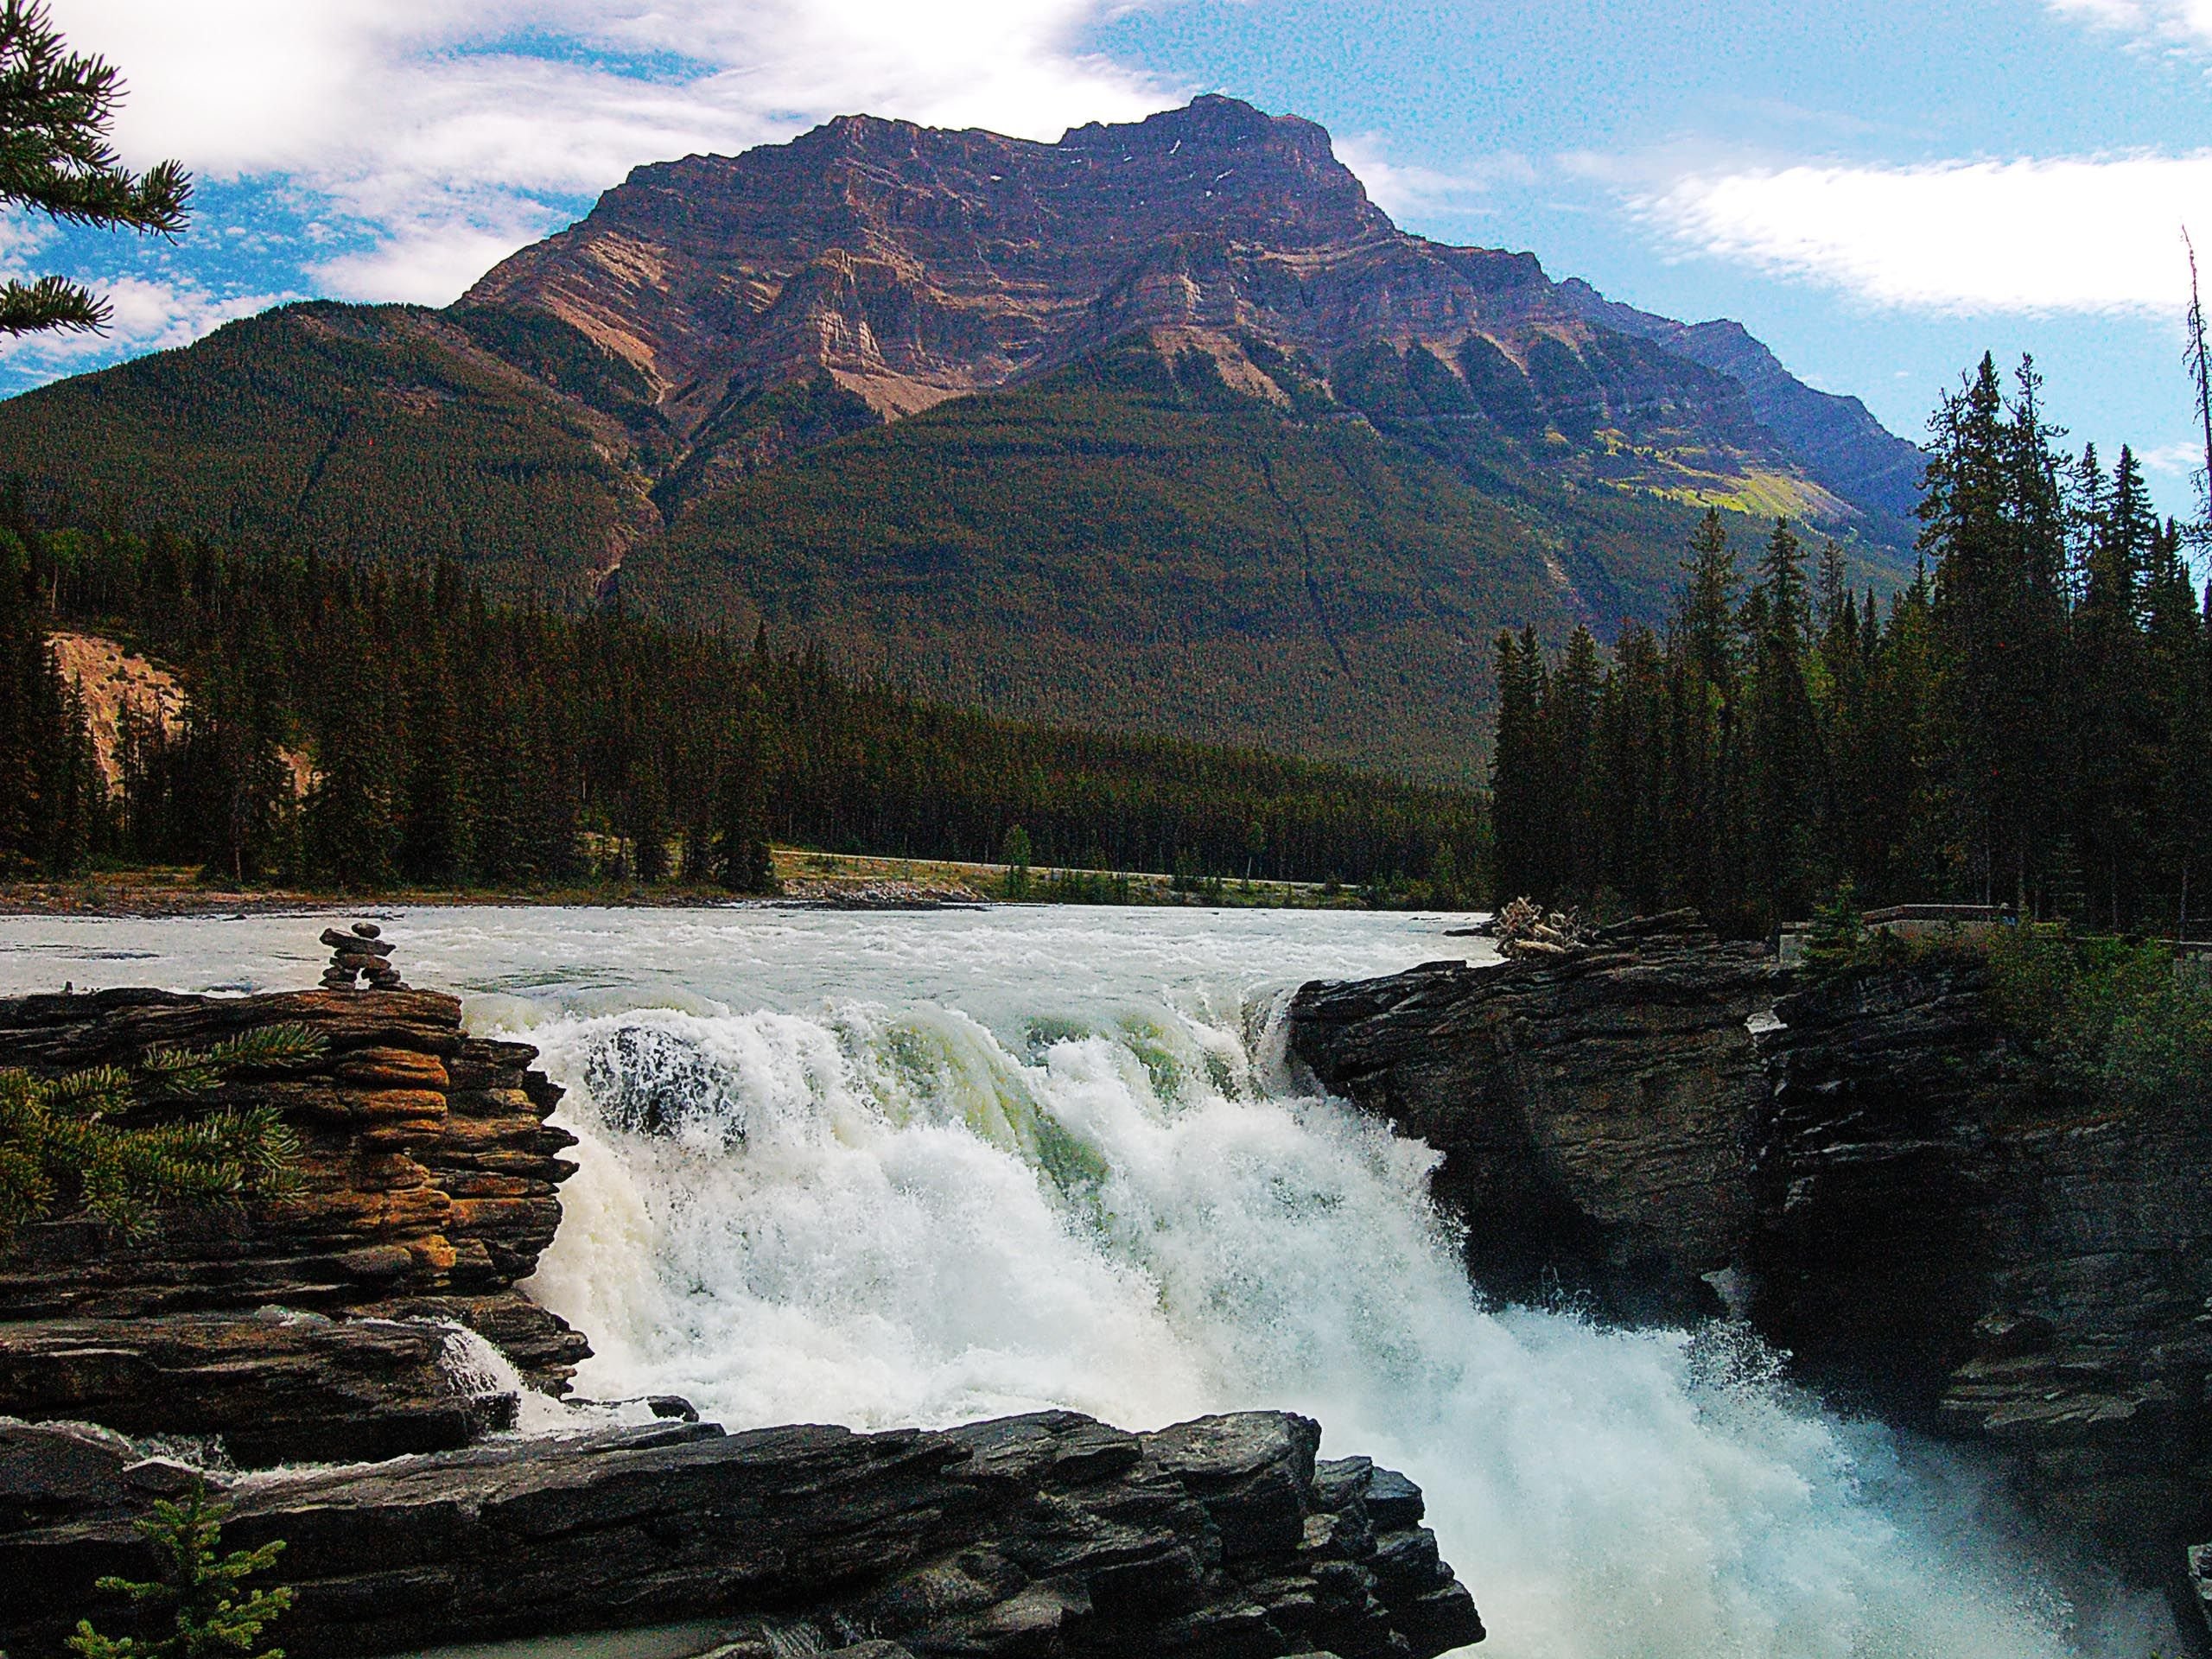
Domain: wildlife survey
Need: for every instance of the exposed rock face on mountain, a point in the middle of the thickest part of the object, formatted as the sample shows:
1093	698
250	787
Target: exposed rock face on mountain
294	1327
912	264
1049	1534
916	265
1913	1206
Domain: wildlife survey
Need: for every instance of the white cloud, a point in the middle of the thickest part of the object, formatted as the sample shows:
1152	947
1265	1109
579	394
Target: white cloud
1405	191
422	264
2180	459
2084	234
2172	22
443	128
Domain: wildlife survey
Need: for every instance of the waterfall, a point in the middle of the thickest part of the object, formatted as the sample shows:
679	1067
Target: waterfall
878	1213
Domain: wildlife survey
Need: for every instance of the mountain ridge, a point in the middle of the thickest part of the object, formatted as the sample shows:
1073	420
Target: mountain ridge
911	265
1842	443
1164	425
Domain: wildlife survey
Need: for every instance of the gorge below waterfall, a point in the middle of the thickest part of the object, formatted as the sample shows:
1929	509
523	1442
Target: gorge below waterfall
882	1170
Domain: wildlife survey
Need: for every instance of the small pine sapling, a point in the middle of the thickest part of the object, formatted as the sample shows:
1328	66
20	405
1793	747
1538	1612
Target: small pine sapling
1838	933
1016	855
201	1590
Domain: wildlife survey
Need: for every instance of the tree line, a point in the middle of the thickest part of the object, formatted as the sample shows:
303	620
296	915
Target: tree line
2028	724
366	725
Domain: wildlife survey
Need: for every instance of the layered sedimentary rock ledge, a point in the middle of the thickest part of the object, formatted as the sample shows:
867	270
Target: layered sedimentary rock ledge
1888	1184
316	1323
1044	1535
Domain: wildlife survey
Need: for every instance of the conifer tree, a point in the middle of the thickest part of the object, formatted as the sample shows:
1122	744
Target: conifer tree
1783	754
1015	853
1706	811
50	796
434	847
356	814
198	1590
57	108
2111	669
1572	787
1516	772
745	864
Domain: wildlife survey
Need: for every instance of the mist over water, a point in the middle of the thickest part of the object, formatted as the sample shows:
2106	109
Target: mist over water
925	1169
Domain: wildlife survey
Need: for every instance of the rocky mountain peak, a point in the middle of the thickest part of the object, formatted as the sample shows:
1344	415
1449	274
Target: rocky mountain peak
913	263
900	265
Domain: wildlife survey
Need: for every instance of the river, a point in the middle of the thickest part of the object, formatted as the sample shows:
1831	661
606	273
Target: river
929	1168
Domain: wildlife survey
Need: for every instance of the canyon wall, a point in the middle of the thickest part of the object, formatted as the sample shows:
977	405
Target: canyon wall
1869	1169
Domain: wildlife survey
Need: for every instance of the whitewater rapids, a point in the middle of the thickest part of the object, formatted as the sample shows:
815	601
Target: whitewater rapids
879	1171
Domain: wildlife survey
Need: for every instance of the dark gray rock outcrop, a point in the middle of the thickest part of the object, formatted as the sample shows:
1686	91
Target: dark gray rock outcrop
1591	1108
1921	1212
273	1386
1044	1535
1943	1219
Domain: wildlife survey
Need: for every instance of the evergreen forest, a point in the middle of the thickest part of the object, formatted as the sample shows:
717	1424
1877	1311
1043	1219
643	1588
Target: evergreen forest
2028	724
370	724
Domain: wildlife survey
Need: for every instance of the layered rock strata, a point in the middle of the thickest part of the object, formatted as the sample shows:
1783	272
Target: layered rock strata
295	1325
1044	1535
1895	1193
910	264
1590	1108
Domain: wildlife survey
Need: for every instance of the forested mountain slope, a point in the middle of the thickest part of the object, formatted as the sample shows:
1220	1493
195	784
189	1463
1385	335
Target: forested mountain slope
1132	542
1163	424
381	429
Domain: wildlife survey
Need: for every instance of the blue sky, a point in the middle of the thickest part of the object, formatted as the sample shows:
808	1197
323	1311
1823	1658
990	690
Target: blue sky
1880	191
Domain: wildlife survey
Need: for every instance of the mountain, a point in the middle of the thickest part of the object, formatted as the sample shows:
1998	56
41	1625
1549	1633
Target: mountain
1164	425
1836	438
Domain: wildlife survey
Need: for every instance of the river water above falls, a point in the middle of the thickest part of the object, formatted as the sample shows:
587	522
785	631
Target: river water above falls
922	1168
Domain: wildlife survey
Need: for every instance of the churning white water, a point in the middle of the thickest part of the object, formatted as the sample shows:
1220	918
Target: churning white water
879	1170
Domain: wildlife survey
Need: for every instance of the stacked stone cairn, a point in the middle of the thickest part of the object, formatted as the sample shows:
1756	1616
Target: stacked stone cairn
360	954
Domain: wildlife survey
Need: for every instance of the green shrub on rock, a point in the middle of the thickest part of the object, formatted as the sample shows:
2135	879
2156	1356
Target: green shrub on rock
2113	1015
62	1145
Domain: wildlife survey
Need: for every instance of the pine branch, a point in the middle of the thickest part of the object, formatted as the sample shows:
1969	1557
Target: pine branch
89	1093
196	1070
51	302
57	108
57	1145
